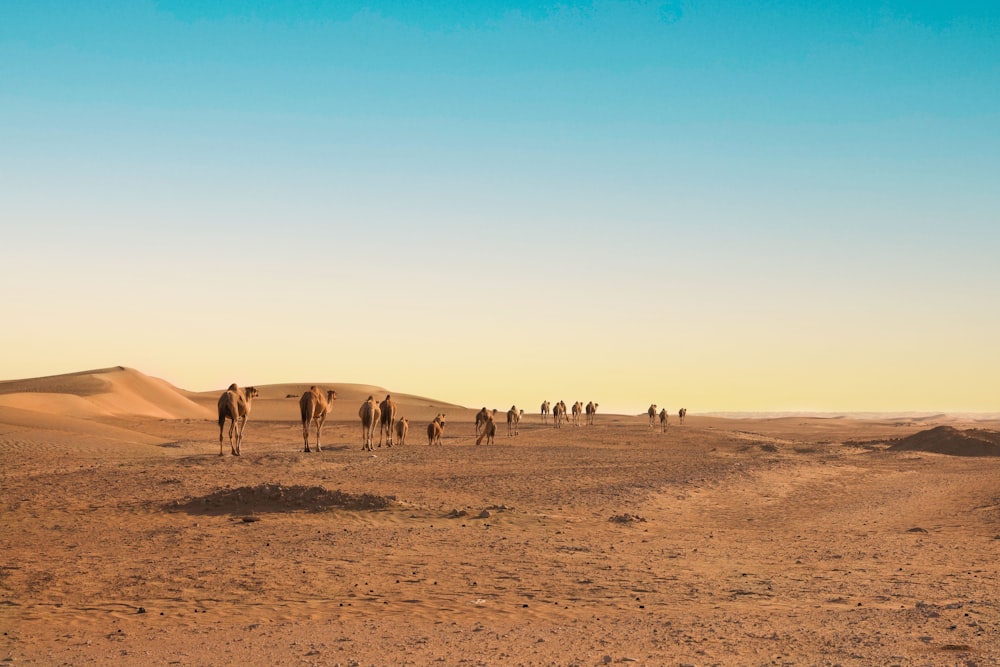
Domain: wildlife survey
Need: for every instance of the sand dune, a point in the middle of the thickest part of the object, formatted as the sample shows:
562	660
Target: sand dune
107	392
952	441
69	428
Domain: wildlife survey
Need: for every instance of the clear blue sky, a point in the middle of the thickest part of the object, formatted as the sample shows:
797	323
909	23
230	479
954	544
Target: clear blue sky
729	205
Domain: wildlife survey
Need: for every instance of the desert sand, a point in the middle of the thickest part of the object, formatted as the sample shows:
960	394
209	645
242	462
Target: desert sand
125	539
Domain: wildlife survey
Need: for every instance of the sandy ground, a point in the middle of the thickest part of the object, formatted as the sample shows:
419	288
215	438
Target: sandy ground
126	539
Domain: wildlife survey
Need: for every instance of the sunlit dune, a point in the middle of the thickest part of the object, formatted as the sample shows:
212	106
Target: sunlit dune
108	392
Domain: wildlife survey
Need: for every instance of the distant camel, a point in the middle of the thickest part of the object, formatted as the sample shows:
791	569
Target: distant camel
369	413
513	419
387	420
652	415
435	429
234	405
545	411
681	414
481	418
402	426
591	411
664	420
314	406
559	414
489	431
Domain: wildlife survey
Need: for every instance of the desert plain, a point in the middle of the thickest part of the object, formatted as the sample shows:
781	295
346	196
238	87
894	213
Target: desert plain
126	539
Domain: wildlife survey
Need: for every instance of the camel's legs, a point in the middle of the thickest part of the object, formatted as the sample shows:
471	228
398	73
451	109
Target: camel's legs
239	434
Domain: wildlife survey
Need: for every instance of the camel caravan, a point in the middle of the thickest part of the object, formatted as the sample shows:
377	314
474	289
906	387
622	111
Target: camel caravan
316	405
664	417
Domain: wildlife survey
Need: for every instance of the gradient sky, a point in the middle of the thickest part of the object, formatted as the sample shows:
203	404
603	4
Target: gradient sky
737	205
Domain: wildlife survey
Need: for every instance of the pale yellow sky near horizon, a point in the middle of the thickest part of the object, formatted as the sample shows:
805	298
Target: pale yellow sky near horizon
753	330
753	371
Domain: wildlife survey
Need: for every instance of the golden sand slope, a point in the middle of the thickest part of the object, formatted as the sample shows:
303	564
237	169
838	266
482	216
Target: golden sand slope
108	392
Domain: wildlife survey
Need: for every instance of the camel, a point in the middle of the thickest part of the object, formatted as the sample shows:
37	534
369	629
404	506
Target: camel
577	411
435	429
481	418
545	411
387	420
314	406
370	414
489	431
664	420
652	414
402	426
513	419
234	405
591	411
559	414
681	414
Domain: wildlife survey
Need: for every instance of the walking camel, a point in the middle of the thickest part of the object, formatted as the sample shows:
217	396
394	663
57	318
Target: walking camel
481	418
559	413
489	431
234	405
387	420
436	428
513	419
402	426
577	411
681	414
314	406
369	413
591	411
545	411
652	414
664	420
